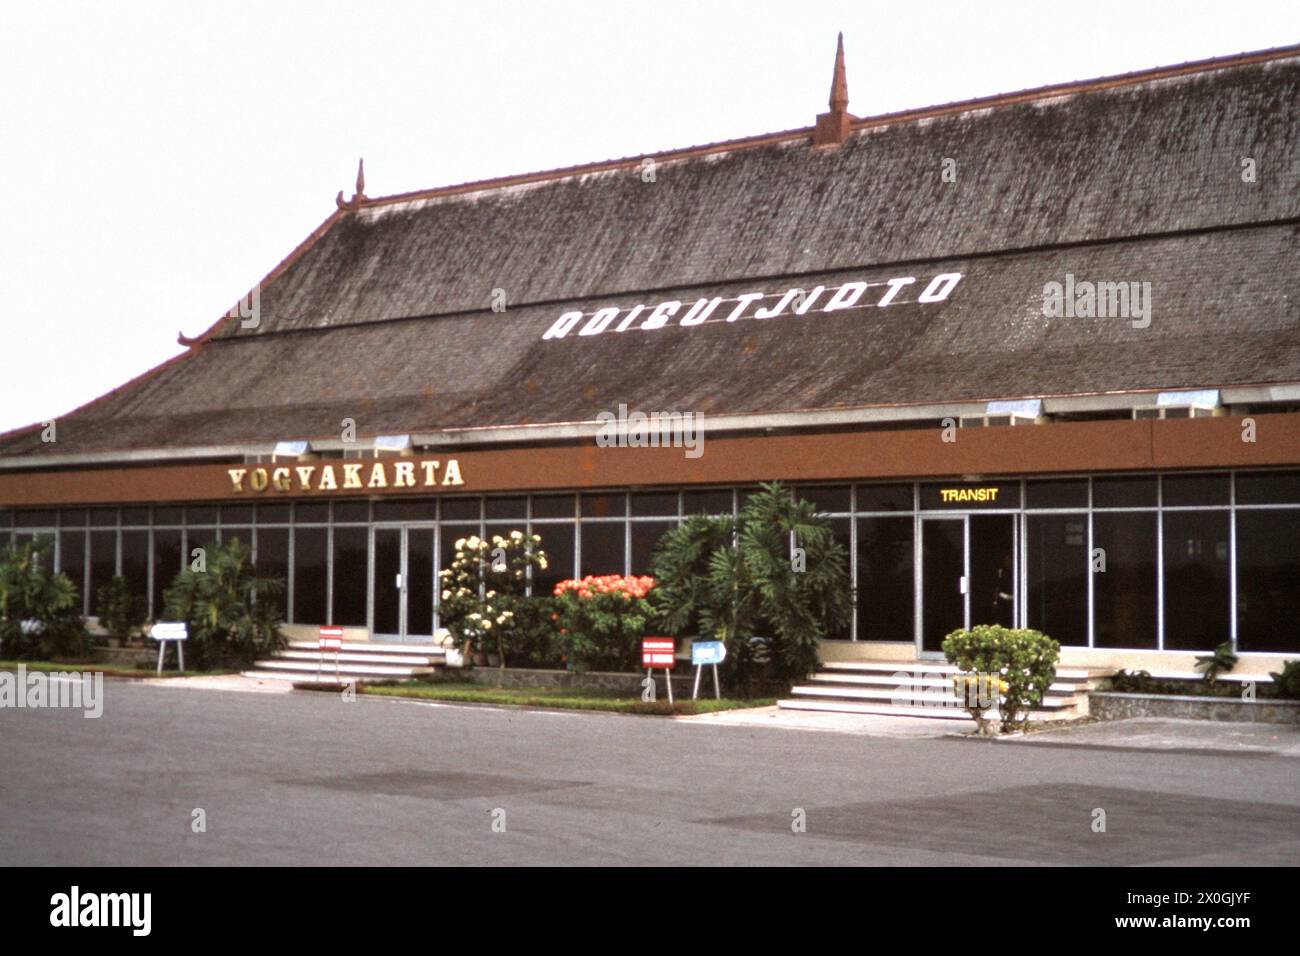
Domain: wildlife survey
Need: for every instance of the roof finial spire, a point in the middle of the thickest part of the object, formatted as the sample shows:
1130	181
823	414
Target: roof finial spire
839	84
833	128
359	197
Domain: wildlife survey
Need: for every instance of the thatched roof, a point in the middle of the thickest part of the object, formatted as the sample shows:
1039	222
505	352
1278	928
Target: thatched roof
386	317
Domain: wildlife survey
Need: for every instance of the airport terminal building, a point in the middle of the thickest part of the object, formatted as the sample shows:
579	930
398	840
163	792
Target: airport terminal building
1038	356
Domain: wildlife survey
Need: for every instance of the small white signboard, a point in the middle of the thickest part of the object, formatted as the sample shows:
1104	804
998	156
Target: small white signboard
164	631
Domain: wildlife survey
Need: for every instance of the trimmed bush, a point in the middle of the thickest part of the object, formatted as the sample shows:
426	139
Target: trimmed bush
1020	665
602	620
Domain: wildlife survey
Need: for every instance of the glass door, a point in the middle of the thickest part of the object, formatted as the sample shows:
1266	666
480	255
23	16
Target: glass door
418	579
942	604
386	585
401	584
969	575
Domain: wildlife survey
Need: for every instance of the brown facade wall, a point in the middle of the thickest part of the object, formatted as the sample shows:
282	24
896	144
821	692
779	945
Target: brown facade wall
1032	449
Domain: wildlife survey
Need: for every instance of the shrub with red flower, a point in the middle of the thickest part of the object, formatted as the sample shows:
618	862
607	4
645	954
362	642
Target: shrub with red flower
602	619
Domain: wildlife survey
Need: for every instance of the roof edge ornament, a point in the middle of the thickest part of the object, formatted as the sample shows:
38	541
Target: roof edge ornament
359	198
832	128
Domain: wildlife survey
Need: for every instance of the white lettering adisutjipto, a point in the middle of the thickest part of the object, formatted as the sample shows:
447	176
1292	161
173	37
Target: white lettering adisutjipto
706	311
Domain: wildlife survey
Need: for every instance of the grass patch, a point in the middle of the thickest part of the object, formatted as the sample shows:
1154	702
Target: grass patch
566	698
138	671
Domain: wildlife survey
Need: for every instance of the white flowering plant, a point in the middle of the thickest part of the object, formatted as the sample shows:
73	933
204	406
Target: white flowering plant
481	594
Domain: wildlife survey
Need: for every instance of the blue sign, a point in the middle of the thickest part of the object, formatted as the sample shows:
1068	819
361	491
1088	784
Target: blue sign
708	652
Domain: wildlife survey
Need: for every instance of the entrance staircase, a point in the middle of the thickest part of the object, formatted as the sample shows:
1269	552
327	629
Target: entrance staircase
357	661
919	689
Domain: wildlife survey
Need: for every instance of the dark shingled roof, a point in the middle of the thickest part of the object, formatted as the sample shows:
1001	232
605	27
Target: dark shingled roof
385	317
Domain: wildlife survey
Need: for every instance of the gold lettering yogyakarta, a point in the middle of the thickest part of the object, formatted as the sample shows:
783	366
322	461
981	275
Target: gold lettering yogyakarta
398	474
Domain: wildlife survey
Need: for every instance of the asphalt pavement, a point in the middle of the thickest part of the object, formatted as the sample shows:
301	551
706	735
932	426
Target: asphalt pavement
308	778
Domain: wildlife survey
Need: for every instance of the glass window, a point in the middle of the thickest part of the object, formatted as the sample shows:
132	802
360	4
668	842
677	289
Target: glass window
135	563
201	515
1066	493
351	512
103	517
1125	492
72	559
645	539
351	553
716	502
68	518
167	516
103	564
245	536
311	513
654	503
842	529
1268	488
503	529
273	514
1268	580
309	581
451	533
6	519
828	499
411	510
553	506
273	558
1193	490
236	514
886	593
166	565
138	517
1124	593
602	547
604	506
1197	615
512	507
460	509
36	519
1056	565
884	497
557	542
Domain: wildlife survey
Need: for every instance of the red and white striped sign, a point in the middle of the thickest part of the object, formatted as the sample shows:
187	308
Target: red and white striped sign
331	638
658	652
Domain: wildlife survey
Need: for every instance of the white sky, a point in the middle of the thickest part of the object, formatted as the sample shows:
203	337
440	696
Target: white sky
158	159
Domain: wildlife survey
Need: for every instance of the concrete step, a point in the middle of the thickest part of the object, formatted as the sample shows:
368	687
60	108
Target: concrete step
928	669
894	694
366	670
902	678
406	660
852	707
931	713
366	647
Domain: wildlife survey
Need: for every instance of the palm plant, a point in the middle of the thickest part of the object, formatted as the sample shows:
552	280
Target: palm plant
232	611
39	614
725	578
